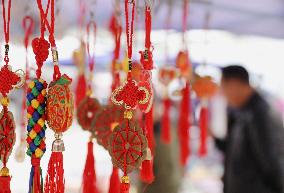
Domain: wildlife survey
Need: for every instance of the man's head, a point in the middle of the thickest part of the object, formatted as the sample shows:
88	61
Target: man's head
235	85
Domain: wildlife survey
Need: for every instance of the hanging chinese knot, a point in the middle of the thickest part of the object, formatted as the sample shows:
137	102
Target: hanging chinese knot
9	80
205	88
128	144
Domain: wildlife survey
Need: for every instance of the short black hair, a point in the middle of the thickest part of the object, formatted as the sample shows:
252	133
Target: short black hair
235	72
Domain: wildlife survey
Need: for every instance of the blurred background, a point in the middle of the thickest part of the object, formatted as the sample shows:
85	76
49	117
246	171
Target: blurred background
219	32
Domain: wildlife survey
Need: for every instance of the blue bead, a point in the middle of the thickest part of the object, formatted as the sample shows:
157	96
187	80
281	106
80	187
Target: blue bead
39	86
42	134
32	147
29	128
36	116
30	96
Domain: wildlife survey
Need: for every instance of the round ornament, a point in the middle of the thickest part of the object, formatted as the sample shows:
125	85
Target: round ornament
87	111
204	87
166	75
7	135
60	105
127	146
106	120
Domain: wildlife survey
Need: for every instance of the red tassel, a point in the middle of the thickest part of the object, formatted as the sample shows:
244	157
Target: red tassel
125	185
55	182
149	124
114	185
165	129
184	124
81	88
89	176
147	173
5	184
203	123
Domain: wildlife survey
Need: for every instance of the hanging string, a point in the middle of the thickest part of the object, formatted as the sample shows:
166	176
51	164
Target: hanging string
91	54
184	22
6	28
50	27
129	30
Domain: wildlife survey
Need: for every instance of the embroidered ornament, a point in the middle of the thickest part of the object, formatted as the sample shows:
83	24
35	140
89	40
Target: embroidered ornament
105	122
60	104
146	84
87	111
167	74
127	146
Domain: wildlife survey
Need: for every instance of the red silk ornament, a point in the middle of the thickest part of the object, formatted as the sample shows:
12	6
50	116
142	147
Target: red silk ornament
9	80
166	124
87	111
106	120
114	183
89	175
204	88
184	124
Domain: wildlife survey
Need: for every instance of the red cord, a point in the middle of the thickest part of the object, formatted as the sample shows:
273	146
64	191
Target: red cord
129	32
91	57
28	26
6	23
148	26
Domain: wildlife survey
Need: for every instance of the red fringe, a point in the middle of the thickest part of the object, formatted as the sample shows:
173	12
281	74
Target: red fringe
114	185
149	124
81	88
89	176
5	184
147	173
55	182
165	129
124	187
184	125
203	123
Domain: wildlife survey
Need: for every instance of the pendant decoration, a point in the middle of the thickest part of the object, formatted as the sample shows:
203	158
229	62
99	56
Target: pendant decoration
59	107
106	120
205	88
9	80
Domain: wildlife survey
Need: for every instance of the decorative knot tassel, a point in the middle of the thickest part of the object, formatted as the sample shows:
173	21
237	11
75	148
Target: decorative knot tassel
36	181
5	180
55	182
114	185
203	123
89	176
165	130
184	124
147	173
125	184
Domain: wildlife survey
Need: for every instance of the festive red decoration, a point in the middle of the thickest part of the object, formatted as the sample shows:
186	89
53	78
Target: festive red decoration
5	184
127	146
130	94
203	123
54	182
41	51
184	124
166	75
89	176
114	184
106	120
86	112
8	80
184	65
60	105
166	125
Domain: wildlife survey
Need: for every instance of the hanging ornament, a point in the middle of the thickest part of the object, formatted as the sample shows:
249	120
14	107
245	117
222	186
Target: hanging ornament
185	73
147	173
9	80
59	108
28	25
127	135
205	88
103	132
87	111
36	112
166	75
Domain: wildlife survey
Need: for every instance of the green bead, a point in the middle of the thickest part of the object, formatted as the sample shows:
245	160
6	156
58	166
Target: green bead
31	122
37	140
35	92
40	110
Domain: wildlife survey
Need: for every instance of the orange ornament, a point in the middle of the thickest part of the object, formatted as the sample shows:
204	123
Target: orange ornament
184	65
204	87
167	74
60	105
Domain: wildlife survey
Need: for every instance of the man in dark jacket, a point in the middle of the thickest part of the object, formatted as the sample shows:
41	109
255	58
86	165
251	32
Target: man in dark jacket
254	151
